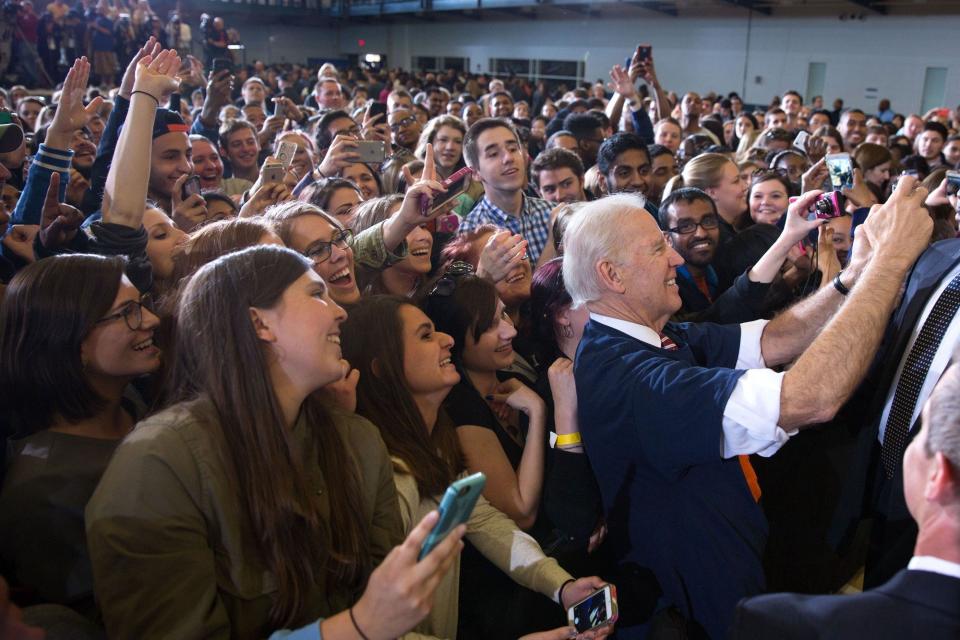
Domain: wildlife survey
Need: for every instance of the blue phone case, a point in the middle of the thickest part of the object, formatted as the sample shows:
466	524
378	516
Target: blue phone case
455	509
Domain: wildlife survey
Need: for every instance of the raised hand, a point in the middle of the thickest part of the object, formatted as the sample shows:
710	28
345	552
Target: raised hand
157	75
71	114
860	194
796	226
816	148
501	255
621	82
375	128
428	186
900	228
59	221
814	177
151	47
342	152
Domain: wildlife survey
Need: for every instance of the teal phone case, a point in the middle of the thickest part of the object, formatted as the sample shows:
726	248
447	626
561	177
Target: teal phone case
455	509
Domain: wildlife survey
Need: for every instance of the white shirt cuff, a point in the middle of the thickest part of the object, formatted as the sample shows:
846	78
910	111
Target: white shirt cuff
750	356
751	415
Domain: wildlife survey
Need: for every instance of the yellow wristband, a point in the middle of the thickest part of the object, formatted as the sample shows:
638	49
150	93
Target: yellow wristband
568	438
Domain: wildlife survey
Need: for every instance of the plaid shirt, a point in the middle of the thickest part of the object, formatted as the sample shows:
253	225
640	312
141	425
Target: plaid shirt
533	223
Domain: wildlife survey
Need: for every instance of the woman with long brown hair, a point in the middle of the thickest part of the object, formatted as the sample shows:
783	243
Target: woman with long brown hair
406	372
247	506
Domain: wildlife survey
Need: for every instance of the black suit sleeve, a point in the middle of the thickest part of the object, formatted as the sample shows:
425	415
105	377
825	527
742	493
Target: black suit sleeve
771	617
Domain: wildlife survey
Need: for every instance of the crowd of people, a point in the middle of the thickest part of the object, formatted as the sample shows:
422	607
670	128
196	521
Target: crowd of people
250	332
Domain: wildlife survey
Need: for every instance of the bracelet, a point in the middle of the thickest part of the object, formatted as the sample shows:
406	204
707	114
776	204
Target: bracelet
562	587
155	99
568	438
839	286
357	627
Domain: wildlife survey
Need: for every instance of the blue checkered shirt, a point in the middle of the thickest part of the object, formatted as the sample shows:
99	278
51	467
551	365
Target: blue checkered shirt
533	223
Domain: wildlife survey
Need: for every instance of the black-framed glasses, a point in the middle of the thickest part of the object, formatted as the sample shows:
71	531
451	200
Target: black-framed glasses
447	283
406	122
686	227
321	251
132	313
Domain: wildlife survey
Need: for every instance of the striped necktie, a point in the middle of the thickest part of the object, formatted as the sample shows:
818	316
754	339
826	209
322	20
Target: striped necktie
914	374
667	343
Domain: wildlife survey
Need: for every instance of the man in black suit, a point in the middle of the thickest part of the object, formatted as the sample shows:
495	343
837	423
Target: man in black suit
921	601
889	402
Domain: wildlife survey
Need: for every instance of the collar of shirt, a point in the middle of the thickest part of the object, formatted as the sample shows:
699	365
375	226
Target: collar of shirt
934	564
710	274
632	329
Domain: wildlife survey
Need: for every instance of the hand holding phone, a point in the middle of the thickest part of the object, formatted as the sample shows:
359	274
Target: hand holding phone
453	186
190	187
272	172
285	152
596	610
455	509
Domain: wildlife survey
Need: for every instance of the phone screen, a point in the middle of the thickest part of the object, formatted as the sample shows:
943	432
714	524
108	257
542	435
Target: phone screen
592	612
841	170
191	186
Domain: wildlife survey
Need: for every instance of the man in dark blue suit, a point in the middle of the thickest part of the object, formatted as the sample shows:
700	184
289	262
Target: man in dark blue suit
666	409
904	364
922	601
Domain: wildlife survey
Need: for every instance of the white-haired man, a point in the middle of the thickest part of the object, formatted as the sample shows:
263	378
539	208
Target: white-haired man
665	409
920	601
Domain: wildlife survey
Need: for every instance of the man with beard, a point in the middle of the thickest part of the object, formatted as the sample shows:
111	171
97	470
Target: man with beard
690	217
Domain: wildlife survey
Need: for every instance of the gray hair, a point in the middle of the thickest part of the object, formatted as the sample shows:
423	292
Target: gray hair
943	417
594	232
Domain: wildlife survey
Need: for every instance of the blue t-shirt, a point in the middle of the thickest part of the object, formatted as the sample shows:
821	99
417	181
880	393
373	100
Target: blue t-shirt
651	422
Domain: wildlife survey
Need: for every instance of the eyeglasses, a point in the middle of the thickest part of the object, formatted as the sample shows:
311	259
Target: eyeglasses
406	122
447	283
132	313
686	227
350	131
321	251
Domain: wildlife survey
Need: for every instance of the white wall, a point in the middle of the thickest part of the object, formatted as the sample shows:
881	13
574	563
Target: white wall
887	53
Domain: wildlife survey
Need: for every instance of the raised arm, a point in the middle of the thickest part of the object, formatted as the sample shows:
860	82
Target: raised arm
125	203
812	392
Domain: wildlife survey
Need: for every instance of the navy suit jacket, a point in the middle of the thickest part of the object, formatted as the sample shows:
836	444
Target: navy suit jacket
865	473
651	421
913	604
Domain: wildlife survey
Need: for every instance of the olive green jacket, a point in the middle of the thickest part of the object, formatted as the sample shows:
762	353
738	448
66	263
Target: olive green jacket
172	551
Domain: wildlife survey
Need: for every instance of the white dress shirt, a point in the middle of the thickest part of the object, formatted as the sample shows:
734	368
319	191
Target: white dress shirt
935	565
752	411
940	360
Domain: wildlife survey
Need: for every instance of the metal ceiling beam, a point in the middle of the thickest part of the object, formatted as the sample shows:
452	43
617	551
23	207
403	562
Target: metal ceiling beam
870	4
751	5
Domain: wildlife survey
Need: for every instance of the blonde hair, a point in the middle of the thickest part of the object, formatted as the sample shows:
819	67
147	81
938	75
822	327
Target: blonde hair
705	171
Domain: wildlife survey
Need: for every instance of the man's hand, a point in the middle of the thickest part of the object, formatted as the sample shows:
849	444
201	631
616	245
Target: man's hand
151	47
501	255
341	153
59	221
860	194
375	128
156	75
19	240
190	213
900	229
219	91
621	82
77	186
285	107
270	130
71	114
814	177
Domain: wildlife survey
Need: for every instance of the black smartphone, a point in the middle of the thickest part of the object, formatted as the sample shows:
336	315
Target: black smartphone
222	64
644	52
190	187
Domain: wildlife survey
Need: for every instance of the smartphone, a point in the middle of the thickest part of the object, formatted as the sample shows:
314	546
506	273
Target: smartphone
222	64
372	151
285	153
841	170
644	52
953	183
800	142
190	187
444	224
452	187
378	109
596	610
272	173
455	509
